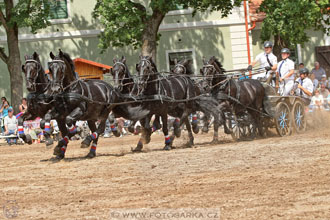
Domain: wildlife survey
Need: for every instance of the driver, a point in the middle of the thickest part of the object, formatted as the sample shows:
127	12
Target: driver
285	71
267	60
304	85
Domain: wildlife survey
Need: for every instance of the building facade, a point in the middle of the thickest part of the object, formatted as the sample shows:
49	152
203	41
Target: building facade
206	34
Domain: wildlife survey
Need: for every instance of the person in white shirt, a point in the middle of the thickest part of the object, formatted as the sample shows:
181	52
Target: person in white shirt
10	123
304	85
285	72
267	60
317	100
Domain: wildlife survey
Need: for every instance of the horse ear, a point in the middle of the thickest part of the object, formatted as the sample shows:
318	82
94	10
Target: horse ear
137	67
123	59
175	61
204	61
114	60
201	72
23	68
35	55
60	53
51	55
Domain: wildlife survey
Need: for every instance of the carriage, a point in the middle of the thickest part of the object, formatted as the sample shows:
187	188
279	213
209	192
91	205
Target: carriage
284	113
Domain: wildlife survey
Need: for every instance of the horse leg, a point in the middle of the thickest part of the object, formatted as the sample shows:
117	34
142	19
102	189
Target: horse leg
113	127
89	138
20	129
194	123
188	126
95	136
156	124
206	118
146	133
60	149
45	126
176	127
168	139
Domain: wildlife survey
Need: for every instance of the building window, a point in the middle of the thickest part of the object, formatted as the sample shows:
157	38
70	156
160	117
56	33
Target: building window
59	11
189	54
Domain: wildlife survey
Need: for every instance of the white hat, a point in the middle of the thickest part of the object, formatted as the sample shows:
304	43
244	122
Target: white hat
324	75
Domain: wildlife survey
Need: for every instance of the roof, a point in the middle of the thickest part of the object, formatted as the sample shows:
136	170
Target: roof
81	60
253	7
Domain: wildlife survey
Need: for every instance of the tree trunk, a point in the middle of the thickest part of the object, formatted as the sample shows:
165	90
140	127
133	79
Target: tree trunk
279	44
14	68
149	37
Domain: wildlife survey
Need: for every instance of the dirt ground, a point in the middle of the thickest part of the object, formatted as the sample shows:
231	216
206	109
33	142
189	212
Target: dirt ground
273	178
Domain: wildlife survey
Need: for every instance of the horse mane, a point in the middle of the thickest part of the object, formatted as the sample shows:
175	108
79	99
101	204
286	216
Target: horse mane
67	57
187	65
152	62
218	64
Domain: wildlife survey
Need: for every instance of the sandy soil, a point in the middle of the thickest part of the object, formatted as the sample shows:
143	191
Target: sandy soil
273	178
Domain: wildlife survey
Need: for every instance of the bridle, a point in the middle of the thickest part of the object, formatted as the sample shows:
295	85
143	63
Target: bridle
119	85
143	83
62	69
182	66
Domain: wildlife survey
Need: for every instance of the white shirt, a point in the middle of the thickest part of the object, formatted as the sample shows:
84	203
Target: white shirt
11	123
318	98
262	59
307	84
284	67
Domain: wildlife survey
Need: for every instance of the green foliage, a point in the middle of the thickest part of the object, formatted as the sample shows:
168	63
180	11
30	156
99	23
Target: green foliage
125	21
290	19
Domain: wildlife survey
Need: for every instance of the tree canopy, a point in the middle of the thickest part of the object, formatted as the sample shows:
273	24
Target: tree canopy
15	15
128	22
288	21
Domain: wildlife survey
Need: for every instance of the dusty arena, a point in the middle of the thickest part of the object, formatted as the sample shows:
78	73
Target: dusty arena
273	178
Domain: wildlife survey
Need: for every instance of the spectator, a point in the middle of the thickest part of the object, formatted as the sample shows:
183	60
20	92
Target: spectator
318	71
317	101
315	82
4	111
10	123
23	106
3	99
301	65
325	93
324	81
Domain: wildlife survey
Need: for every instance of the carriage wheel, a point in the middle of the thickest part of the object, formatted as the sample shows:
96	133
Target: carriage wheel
299	117
283	119
232	124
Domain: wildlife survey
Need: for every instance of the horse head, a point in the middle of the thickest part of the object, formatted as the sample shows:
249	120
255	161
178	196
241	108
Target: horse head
119	72
146	69
32	70
62	71
212	71
182	67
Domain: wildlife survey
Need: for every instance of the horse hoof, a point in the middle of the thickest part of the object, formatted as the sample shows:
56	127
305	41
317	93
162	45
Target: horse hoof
205	130
215	141
57	151
28	139
167	147
116	133
49	142
177	132
136	150
91	154
84	145
59	157
131	129
195	129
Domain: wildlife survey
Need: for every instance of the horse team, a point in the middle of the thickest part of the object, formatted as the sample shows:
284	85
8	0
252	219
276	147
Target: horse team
65	97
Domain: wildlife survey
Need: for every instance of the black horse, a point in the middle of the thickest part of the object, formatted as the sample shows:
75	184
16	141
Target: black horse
124	82
244	95
89	100
39	99
174	95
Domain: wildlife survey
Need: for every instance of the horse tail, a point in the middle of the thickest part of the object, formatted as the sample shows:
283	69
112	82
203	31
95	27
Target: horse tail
207	104
129	112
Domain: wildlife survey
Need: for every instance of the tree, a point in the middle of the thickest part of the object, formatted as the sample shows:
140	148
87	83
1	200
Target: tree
288	20
26	13
128	22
